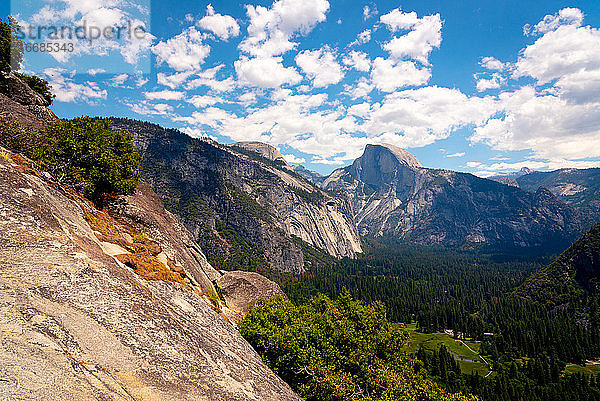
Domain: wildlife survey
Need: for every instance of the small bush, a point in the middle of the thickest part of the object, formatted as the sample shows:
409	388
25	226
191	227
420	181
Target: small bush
86	153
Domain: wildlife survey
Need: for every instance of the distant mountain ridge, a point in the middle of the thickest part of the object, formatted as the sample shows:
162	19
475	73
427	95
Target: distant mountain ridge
243	203
391	194
572	275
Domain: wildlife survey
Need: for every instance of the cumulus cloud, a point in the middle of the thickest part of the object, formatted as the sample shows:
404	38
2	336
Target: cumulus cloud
361	89
425	35
566	16
458	154
389	75
309	124
147	109
358	60
547	124
208	78
186	51
200	101
567	55
369	12
224	26
362	38
491	63
558	118
321	66
267	72
271	30
174	80
69	91
95	71
101	14
294	159
495	82
164	95
118	80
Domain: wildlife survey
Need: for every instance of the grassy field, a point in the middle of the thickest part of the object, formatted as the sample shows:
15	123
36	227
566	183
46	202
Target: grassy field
468	360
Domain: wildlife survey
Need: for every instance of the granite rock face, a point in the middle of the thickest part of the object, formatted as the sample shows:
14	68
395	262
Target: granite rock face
391	194
77	324
220	190
263	149
242	289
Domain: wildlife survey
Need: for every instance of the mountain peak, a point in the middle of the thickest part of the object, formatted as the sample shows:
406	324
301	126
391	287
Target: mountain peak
403	156
263	149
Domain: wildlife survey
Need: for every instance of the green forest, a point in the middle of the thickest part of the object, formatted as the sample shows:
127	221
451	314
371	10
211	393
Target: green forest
534	352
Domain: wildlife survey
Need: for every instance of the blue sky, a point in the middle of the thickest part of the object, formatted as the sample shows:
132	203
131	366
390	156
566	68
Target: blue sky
476	86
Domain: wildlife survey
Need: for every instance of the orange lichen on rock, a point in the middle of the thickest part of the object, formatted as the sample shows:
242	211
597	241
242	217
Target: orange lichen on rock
149	267
143	251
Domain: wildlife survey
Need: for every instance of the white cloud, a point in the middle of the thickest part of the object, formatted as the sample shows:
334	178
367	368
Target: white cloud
174	80
547	124
369	12
224	26
487	170
200	101
491	63
495	82
569	56
265	72
271	29
209	79
294	159
458	154
95	71
418	117
164	95
309	124
141	80
425	35
388	75
145	108
358	60
185	51
320	66
66	90
397	20
247	98
362	38
566	16
559	117
119	80
96	16
360	90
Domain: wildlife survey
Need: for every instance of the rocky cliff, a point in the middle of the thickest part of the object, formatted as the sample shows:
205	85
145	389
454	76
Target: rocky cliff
245	208
111	306
572	276
577	187
391	194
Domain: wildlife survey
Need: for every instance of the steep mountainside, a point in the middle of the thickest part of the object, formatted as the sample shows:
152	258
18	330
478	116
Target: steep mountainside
311	176
238	203
577	187
571	275
511	178
391	194
111	306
